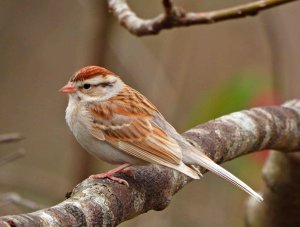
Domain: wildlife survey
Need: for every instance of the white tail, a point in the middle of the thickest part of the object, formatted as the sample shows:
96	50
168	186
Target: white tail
207	163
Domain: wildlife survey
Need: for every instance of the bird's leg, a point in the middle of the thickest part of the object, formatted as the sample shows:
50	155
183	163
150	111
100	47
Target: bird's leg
110	174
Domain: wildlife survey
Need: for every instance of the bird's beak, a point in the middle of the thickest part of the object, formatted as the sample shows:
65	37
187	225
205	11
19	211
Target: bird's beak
68	88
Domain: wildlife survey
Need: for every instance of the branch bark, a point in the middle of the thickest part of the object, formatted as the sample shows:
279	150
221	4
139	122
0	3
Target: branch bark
106	203
282	193
177	17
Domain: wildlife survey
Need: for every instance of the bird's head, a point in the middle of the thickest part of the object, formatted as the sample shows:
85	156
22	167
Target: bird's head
93	83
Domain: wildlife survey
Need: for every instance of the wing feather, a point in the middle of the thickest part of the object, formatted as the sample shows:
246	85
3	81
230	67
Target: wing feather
149	157
133	124
151	139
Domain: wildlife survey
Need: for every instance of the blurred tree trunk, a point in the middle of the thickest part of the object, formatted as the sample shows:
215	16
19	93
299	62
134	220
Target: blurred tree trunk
97	26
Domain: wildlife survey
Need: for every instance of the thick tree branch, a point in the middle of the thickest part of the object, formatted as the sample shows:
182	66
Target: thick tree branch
106	203
282	192
177	17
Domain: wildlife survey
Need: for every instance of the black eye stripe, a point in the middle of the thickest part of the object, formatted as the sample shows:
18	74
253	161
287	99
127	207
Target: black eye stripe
107	84
103	84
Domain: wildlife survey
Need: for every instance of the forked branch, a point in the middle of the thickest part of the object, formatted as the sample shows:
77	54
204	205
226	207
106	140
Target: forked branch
175	16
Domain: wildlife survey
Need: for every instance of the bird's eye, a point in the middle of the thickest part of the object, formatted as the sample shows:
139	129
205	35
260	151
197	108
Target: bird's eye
86	86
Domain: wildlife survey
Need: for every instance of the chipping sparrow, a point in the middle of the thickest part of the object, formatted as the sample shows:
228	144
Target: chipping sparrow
117	124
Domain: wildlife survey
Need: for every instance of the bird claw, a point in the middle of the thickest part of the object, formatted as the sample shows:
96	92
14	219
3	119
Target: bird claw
119	180
109	174
127	172
103	175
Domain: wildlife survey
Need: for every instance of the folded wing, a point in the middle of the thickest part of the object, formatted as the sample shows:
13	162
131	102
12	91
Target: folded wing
134	132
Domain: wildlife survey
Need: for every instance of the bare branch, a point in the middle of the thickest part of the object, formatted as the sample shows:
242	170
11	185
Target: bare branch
106	203
12	197
177	17
10	137
281	192
169	7
12	157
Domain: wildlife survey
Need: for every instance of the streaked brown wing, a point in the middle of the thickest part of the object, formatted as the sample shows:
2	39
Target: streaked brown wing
141	134
121	126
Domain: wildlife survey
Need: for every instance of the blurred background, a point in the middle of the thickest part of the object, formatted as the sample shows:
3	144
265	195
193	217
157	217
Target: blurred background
191	74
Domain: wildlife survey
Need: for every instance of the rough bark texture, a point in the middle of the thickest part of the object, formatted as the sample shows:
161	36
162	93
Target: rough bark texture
282	192
106	203
177	17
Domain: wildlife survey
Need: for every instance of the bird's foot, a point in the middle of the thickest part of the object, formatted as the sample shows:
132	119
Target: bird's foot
109	174
105	175
127	172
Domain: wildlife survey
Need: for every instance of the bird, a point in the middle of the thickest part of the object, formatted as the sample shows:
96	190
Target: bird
117	124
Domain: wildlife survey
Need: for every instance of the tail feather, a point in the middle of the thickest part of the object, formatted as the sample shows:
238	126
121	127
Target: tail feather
207	163
191	172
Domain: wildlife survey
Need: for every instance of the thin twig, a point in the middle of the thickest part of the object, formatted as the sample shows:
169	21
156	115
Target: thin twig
168	6
177	17
10	137
12	157
12	197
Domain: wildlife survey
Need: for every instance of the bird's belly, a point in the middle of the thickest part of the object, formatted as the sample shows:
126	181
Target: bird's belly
108	153
101	149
